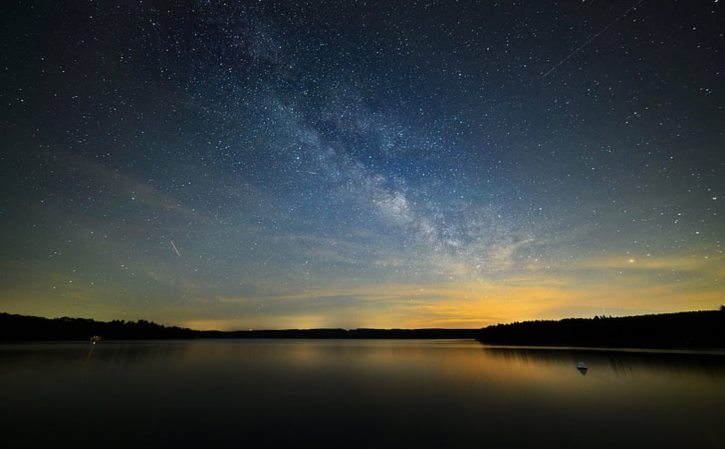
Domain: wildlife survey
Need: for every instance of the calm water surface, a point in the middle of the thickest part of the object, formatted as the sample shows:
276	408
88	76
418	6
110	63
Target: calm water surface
364	393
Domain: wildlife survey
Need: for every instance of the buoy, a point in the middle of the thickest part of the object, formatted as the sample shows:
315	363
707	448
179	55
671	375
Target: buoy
582	368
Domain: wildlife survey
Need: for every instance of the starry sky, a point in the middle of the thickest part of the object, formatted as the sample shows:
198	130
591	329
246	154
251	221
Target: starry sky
280	164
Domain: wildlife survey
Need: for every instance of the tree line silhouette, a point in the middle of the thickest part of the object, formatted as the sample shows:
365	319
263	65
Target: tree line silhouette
700	329
31	328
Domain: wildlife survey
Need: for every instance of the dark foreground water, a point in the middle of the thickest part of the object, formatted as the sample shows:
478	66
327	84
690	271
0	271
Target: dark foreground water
368	393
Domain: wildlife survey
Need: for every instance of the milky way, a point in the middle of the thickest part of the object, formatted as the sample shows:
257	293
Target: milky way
349	164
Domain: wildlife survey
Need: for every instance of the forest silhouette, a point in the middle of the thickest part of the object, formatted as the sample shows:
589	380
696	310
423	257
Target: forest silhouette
699	329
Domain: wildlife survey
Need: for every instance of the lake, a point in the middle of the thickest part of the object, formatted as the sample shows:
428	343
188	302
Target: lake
355	393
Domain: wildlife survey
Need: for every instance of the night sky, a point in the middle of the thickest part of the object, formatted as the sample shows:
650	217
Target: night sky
361	164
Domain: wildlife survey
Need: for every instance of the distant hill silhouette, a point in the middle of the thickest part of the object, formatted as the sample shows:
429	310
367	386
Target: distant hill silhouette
703	329
349	333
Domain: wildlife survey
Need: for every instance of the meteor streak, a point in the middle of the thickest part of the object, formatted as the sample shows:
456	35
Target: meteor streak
176	250
591	38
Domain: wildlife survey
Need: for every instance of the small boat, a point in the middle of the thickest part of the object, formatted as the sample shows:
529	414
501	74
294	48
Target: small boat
582	368
95	339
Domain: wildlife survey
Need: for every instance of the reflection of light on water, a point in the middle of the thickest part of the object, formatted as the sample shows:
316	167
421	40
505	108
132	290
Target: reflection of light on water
90	351
616	362
417	393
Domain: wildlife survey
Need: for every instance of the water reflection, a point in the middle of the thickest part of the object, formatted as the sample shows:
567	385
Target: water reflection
618	362
356	394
